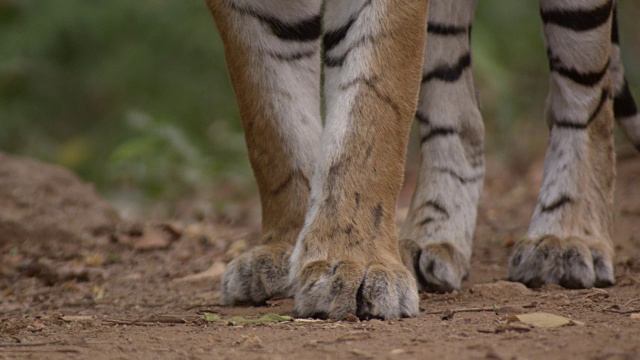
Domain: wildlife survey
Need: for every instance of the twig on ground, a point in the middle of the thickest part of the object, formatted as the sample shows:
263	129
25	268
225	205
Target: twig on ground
36	350
493	308
630	302
30	344
448	314
126	322
154	320
622	312
596	293
191	307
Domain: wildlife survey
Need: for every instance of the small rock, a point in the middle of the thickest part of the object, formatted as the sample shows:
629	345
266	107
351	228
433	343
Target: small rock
501	290
250	341
350	318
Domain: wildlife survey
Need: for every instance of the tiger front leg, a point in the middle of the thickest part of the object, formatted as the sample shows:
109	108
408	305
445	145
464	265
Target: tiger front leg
569	239
272	48
346	260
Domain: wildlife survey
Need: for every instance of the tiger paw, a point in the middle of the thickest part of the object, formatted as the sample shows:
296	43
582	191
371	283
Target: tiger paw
570	262
335	289
257	276
438	267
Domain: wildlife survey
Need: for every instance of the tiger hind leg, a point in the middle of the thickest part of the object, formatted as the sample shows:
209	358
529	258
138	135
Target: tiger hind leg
569	241
624	106
437	234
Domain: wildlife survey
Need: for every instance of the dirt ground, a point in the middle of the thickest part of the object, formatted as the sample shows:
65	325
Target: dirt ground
76	281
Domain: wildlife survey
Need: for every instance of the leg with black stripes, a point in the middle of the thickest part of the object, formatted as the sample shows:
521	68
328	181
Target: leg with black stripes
272	48
437	234
569	239
346	260
624	107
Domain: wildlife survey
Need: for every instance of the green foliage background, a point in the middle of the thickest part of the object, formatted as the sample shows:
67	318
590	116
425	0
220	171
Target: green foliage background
134	95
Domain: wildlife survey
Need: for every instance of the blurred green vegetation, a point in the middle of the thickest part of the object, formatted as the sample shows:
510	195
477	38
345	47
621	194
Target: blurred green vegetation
134	95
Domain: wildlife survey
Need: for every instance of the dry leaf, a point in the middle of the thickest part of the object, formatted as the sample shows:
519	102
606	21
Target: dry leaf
211	317
397	351
79	319
635	316
150	237
94	260
236	248
98	292
309	320
544	320
215	271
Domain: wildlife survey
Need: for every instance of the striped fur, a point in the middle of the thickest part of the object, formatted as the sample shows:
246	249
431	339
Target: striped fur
442	214
328	193
569	241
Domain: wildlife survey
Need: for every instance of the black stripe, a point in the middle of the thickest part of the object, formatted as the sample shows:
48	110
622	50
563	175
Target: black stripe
294	175
615	35
557	204
333	61
334	37
422	119
568	124
578	20
361	79
370	83
438	132
586	78
446	29
623	104
304	30
294	56
449	73
436	206
462	179
330	61
426	220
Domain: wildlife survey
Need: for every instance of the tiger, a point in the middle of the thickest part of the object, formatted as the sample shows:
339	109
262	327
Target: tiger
329	168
